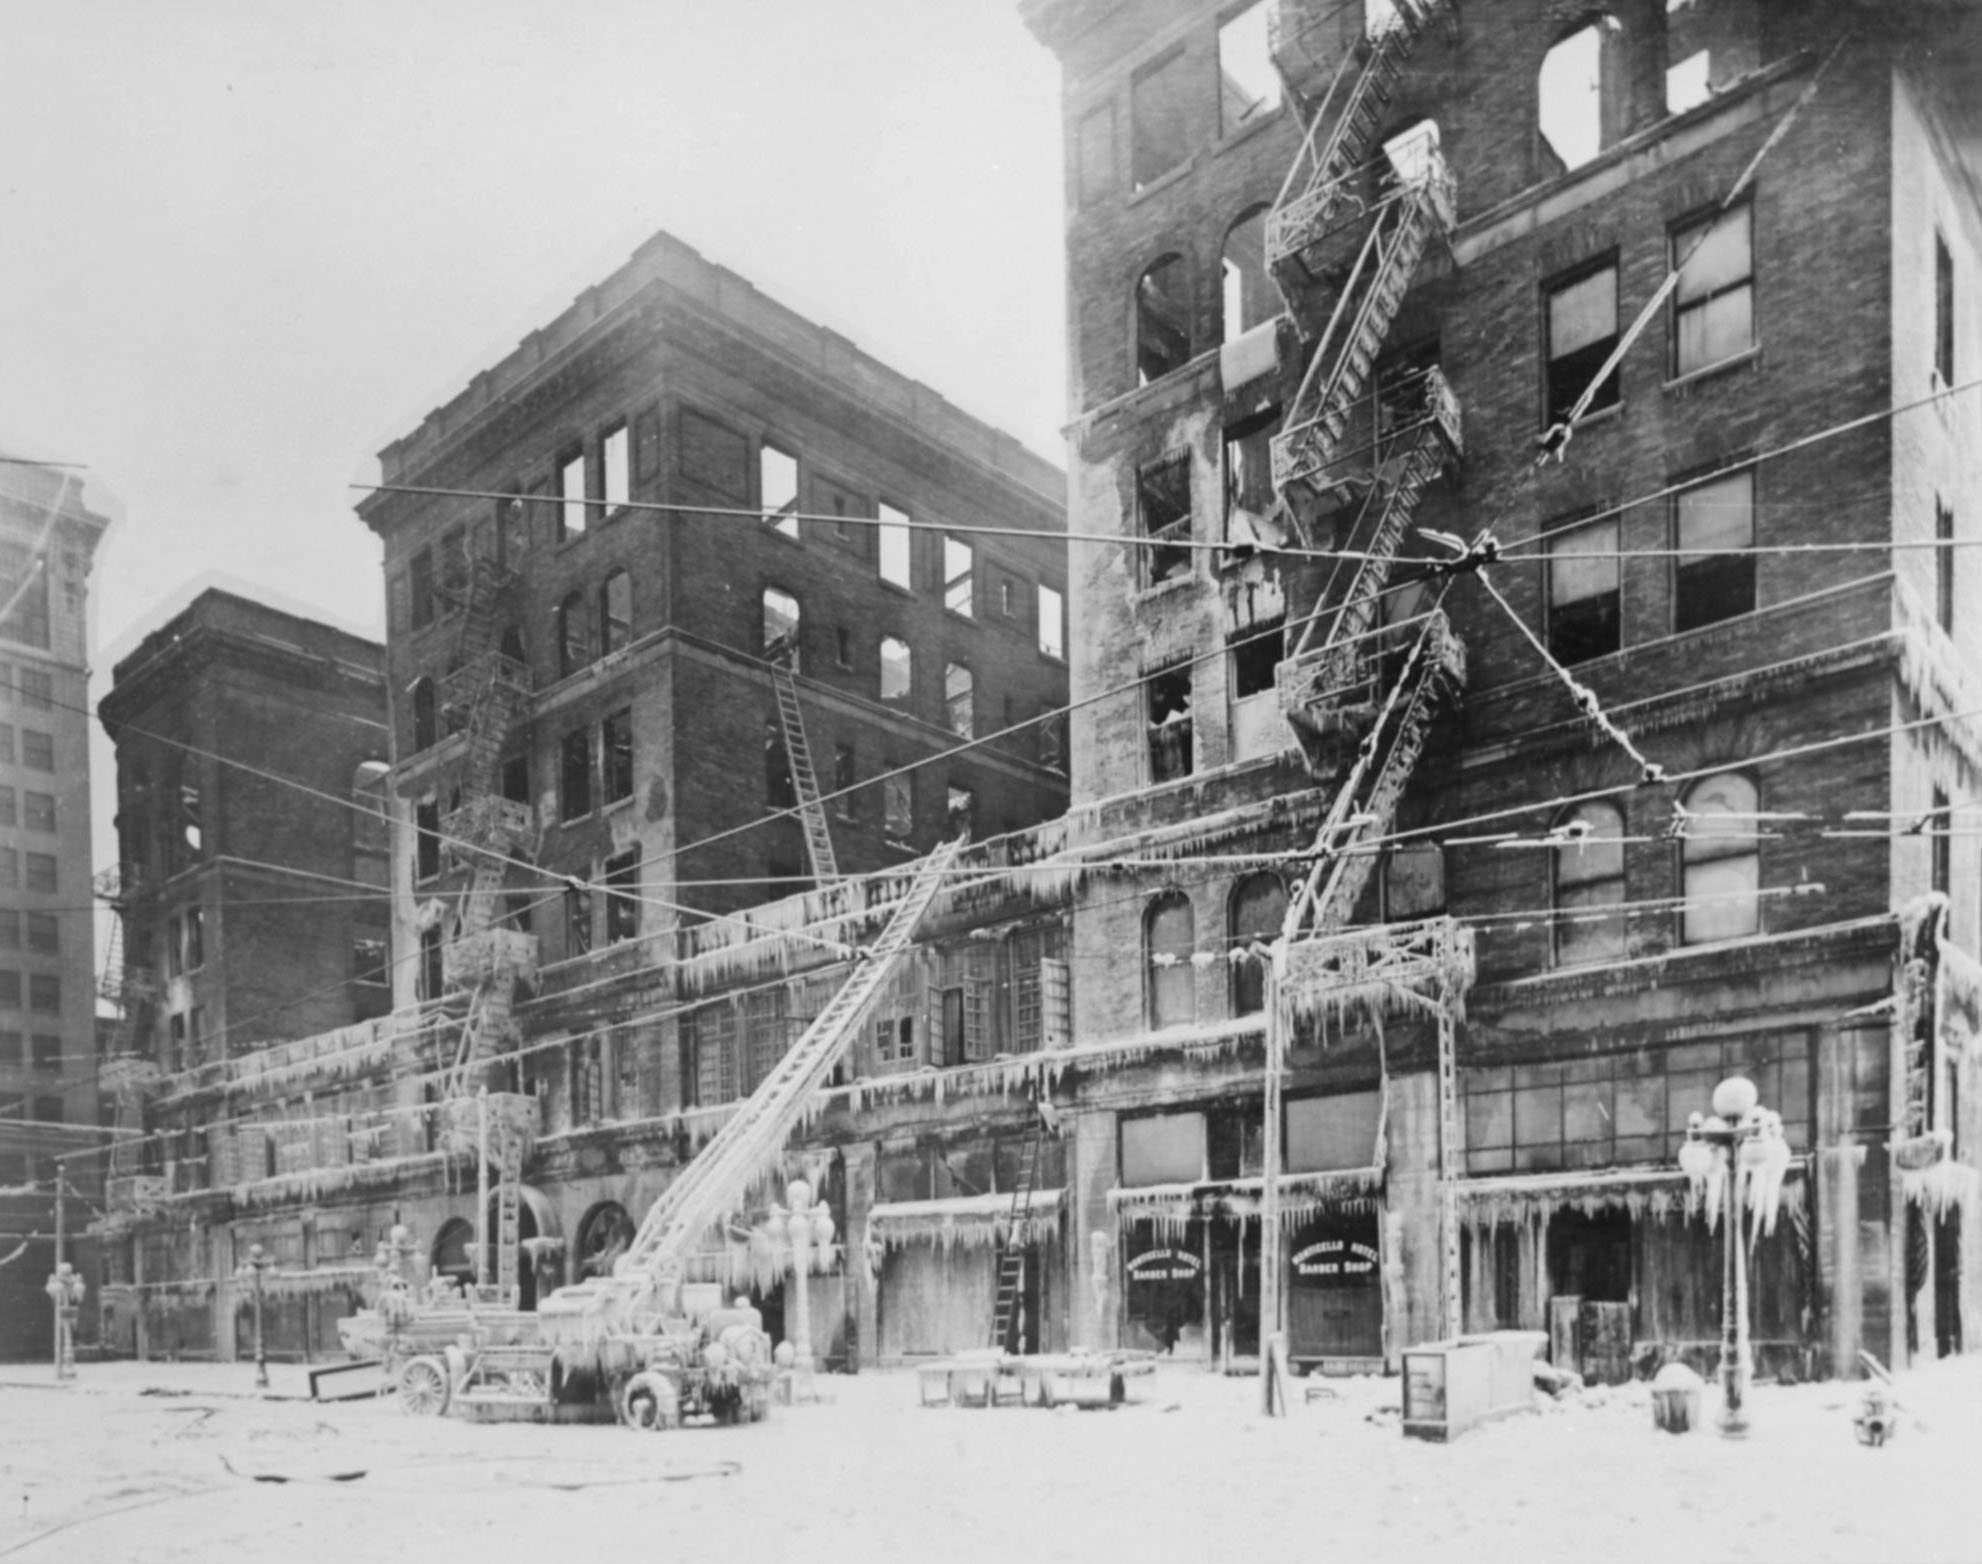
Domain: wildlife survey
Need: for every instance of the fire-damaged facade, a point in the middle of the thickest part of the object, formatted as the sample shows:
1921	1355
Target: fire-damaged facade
1517	680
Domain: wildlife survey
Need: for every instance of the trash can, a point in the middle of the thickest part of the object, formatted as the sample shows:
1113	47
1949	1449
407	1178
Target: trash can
1676	1393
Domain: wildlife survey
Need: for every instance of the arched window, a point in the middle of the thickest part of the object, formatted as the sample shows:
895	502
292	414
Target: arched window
574	642
615	612
1163	319
604	1234
1245	291
1579	89
1169	939
960	700
426	720
452	1250
1720	860
1589	885
1259	904
780	625
897	669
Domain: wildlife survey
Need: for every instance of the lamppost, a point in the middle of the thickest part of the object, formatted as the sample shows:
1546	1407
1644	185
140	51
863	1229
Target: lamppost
805	1224
256	1267
65	1290
1737	1156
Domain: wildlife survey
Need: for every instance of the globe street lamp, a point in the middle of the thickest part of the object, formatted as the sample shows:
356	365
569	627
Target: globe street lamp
805	1224
1736	1156
256	1266
65	1291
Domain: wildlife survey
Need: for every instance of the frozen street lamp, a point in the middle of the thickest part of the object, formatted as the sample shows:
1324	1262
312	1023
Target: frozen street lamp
806	1224
1737	1156
65	1291
256	1266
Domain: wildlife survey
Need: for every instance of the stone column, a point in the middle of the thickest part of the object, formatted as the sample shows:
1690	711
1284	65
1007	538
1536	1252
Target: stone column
863	1285
1412	1266
1095	1311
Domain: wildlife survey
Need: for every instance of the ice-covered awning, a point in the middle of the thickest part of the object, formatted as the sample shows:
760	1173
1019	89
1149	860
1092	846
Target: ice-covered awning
1658	1193
971	1220
1303	1196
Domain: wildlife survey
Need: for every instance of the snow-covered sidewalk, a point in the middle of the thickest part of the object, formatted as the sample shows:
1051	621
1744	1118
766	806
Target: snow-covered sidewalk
1188	1471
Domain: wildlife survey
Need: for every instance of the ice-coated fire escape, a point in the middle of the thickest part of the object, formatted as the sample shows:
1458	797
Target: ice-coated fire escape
1359	687
485	694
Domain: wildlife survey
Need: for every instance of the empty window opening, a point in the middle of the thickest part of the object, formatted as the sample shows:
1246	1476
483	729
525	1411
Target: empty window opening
1159	119
615	469
897	669
1940	867
898	804
1571	90
960	813
1582	331
843	646
616	612
959	561
845	775
575	774
893	544
1943	311
571	496
780	626
1170	747
426	839
574	640
960	700
1944	566
1584	603
1258	907
1714	305
616	753
623	895
1589	885
1163	319
1248	85
1721	860
1687	82
577	920
777	480
779	790
1249	496
1052	622
516	779
1163	510
1255	655
1714	575
1169	941
426	721
1246	294
1052	728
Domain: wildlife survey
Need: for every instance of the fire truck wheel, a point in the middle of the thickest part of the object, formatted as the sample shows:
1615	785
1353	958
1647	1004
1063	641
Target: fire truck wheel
424	1388
649	1402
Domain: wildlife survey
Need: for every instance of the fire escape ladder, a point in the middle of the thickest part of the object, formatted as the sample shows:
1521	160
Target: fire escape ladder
804	777
720	1176
1012	1254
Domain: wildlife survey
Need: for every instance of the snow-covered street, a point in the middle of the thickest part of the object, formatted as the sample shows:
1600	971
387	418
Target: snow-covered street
1188	1470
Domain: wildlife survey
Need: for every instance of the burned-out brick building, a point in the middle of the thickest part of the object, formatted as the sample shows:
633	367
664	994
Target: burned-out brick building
48	1096
1674	305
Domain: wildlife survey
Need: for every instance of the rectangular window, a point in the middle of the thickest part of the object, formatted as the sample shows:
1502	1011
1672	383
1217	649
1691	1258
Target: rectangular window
1714	305
616	740
960	813
368	962
577	920
40	872
37	750
1171	752
44	934
433	970
960	700
715	457
763	1035
1714	577
1052	623
421	575
1944	563
1333	1133
7	743
1583	597
646	443
1052	739
894	547
426	839
1943	313
898	805
623	895
39	811
37	688
1248	84
516	779
1163	511
24	585
844	777
715	1055
10	1057
1094	154
10	869
1941	862
195	927
175	948
1687	82
777	484
959	561
45	994
1159	118
10	929
575	774
843	646
615	469
10	990
1255	655
1249	496
1163	1148
1582	330
9	814
571	515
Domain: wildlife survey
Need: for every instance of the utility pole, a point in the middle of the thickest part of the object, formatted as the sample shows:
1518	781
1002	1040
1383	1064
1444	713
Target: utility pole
482	1189
58	1213
1273	1394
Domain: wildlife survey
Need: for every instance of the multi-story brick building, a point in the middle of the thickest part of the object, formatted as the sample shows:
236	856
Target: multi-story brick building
48	1099
1334	279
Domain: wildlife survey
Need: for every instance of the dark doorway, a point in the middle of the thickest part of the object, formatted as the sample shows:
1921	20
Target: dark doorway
1947	1283
1234	1290
1589	1255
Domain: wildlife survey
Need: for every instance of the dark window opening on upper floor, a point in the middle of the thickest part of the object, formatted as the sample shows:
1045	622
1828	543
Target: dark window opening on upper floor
960	813
1944	565
516	779
779	626
616	755
1258	908
577	920
1256	653
845	775
1581	329
1584	602
898	804
420	575
615	612
960	700
1162	319
1943	311
426	839
426	720
575	774
1940	869
623	895
1163	513
1159	118
1171	752
779	790
1714	574
1249	495
574	637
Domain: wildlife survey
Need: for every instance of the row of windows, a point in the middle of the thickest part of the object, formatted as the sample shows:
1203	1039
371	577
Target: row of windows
44	932
35	811
44	1110
43	992
24	589
36	750
16	1049
36	686
40	874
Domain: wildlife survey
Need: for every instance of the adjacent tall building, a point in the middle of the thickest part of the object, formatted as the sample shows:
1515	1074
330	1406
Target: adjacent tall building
48	1095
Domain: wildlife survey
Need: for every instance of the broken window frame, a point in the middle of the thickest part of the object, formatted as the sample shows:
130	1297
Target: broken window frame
1247	298
1255	653
1244	42
1162	316
615	469
903	660
615	611
895	546
959	577
577	920
616	757
426	839
1051	610
1578	106
960	699
898	804
1159	118
1164	516
1171	744
1255	910
781	619
777	489
622	893
572	501
572	634
960	813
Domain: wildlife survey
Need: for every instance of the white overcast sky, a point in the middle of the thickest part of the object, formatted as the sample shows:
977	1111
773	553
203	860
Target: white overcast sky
243	244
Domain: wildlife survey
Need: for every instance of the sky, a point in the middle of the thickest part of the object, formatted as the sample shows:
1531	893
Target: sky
244	245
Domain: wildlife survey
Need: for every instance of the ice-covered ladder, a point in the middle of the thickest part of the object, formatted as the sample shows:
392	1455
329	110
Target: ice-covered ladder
708	1188
1450	1294
1012	1257
804	776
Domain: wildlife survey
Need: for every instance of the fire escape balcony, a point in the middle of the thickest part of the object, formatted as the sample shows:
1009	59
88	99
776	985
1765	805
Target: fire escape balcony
1332	694
128	985
491	674
491	822
119	885
474	959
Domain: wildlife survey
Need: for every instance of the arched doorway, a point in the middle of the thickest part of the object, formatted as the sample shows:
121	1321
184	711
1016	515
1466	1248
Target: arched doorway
604	1234
452	1252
